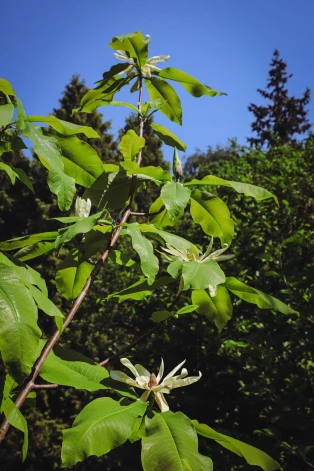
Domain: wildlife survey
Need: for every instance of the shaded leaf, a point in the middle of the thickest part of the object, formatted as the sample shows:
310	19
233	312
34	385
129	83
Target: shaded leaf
110	190
14	172
140	289
72	275
157	174
81	227
17	419
160	316
64	127
168	137
133	44
23	241
32	251
145	250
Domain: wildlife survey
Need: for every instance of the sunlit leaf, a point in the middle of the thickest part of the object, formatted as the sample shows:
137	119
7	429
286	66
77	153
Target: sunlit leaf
160	89
6	87
150	172
32	251
175	198
217	309
168	137
72	275
133	44
31	239
145	250
83	226
64	127
131	144
6	113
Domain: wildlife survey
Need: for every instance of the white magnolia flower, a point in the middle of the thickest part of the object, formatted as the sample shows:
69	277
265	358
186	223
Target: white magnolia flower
151	383
146	68
82	207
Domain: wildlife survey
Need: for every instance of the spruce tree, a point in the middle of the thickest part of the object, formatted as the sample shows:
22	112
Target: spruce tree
284	116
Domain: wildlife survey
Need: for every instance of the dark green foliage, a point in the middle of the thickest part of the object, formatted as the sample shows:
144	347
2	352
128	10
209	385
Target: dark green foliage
285	116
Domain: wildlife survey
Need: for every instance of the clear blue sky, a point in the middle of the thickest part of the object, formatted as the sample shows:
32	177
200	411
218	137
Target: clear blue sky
227	44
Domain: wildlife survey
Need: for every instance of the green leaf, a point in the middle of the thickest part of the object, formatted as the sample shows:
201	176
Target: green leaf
171	444
197	275
213	216
32	251
81	227
161	219
110	190
103	94
217	309
191	84
123	103
255	296
64	127
19	332
72	275
187	309
160	316
133	44
175	198
23	241
10	141
168	137
14	172
101	426
6	113
171	239
249	190
160	89
150	172
131	144
140	289
69	368
16	418
121	258
6	87
80	160
252	455
48	150
96	240
44	303
145	250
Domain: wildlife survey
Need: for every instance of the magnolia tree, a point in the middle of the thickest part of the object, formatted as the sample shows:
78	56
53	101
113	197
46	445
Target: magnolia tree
105	214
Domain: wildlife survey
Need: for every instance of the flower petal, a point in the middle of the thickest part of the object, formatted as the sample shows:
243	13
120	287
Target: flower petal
209	249
154	59
161	401
131	367
142	371
120	376
180	383
161	371
172	373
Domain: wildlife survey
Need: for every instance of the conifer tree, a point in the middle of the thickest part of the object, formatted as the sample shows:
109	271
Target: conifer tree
285	116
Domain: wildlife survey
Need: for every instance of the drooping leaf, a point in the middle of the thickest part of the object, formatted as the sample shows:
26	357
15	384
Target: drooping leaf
160	89
133	44
171	444
23	241
81	227
69	368
249	190
19	332
252	455
141	289
175	198
17	419
103	94
72	275
191	84
80	160
14	172
145	250
168	137
150	172
131	144
213	216
44	303
255	296
64	127
101	426
217	309
35	250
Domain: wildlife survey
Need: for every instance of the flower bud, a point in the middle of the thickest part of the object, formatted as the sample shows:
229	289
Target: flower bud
82	207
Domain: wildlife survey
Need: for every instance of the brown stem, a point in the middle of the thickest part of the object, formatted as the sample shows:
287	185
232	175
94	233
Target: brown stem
30	384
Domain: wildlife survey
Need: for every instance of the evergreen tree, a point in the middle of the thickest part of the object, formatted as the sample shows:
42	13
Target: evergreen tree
279	121
74	91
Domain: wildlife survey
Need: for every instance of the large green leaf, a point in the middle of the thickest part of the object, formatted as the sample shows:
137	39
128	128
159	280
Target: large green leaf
14	173
6	113
23	241
131	144
110	190
19	332
33	251
252	455
249	190
48	150
150	172
81	227
168	237
103	94
161	219
44	303
6	87
175	198
145	250
69	368
168	137
10	141
16	418
191	84
72	275
141	289
160	89
80	160
64	127
255	296
101	426
217	309
197	275
133	44
213	215
171	444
